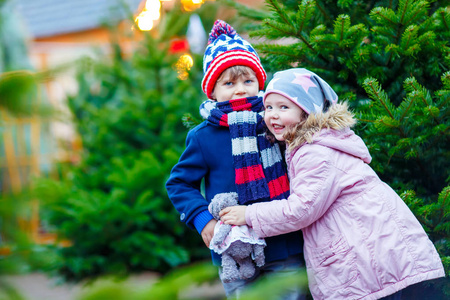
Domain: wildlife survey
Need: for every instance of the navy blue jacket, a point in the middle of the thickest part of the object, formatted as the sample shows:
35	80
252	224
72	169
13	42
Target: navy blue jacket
208	156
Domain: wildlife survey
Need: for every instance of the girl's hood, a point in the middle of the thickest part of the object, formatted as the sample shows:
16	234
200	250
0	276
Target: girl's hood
332	129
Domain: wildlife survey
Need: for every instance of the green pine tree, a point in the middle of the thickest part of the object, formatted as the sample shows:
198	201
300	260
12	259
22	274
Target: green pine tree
112	205
390	60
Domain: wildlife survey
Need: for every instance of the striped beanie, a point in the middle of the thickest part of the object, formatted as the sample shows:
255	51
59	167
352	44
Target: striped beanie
226	49
303	87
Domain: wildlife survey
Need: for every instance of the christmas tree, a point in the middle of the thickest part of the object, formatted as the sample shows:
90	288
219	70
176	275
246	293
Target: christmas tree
390	60
112	204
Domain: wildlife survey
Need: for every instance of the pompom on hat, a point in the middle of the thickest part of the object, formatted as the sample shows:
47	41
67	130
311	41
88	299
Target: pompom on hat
226	49
303	87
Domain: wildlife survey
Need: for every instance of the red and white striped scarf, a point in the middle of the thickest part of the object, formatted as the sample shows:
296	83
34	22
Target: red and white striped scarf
260	173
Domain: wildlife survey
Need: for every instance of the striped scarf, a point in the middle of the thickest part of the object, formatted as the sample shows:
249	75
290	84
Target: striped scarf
260	173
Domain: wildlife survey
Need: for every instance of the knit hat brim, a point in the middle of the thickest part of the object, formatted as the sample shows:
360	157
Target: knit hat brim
227	60
266	94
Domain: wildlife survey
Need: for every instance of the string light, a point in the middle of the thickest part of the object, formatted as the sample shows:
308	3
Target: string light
183	65
190	5
152	5
150	13
144	22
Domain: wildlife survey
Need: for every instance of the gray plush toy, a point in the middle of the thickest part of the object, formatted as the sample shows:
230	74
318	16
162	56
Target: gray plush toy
239	246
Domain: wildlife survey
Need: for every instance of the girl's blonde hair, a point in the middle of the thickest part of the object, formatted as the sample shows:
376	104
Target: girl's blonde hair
337	117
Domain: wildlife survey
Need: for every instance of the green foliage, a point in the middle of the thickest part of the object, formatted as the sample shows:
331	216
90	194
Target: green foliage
409	141
20	93
19	96
14	243
347	43
112	205
8	292
390	60
175	285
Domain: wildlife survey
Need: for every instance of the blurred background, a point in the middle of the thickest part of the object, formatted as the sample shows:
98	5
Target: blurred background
70	69
96	98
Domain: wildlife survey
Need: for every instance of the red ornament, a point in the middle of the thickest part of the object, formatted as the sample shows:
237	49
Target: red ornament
179	46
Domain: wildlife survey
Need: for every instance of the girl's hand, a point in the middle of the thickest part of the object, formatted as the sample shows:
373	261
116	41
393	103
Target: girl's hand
233	215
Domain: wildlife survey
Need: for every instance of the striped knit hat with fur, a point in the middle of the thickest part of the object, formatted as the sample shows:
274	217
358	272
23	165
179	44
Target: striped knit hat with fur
226	49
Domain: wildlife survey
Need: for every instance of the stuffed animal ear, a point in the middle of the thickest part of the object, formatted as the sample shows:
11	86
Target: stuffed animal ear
221	201
234	198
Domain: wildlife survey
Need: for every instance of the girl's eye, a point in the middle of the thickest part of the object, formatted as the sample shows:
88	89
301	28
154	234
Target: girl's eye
284	107
268	107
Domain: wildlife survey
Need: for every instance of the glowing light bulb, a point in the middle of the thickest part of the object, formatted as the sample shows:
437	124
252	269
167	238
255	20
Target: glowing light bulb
144	21
184	64
190	5
152	5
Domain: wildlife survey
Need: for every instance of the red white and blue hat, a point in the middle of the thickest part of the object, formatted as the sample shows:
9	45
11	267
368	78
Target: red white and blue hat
226	49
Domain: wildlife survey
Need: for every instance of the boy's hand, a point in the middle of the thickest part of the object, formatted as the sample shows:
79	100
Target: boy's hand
208	232
233	215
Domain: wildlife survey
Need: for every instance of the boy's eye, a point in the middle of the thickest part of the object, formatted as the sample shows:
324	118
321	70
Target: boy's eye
248	81
228	83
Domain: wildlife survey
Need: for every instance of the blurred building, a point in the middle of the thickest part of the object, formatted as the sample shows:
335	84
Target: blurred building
41	35
62	32
57	33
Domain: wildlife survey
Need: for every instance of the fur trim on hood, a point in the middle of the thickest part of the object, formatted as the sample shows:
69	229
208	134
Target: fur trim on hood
336	117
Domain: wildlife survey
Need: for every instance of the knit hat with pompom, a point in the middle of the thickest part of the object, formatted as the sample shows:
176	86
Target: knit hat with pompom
226	49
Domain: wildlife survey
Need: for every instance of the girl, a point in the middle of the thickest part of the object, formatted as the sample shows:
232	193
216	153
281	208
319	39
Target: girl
360	239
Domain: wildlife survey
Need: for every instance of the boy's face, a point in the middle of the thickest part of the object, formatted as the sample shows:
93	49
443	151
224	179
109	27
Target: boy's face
242	86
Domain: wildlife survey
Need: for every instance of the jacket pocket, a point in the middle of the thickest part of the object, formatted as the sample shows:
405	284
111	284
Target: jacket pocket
334	265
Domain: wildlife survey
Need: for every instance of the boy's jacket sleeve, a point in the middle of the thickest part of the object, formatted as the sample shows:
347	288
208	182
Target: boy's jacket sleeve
183	185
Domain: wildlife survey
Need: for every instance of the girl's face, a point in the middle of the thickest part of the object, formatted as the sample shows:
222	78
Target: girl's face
281	114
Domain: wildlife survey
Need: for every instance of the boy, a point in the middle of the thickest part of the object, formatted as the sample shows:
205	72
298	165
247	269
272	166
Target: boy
230	153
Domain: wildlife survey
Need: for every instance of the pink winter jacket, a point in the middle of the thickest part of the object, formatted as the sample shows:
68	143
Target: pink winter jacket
361	241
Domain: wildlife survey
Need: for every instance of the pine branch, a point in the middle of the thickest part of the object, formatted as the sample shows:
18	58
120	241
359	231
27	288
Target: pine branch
285	30
372	87
189	121
293	51
413	10
443	15
418	92
384	16
245	11
275	6
445	78
304	14
341	25
281	49
403	6
416	204
410	35
322	10
405	107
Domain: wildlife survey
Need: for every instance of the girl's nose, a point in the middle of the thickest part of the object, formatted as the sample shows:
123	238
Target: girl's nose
273	115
